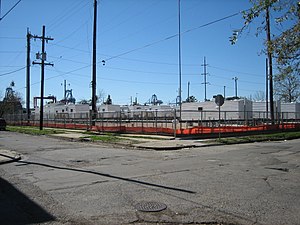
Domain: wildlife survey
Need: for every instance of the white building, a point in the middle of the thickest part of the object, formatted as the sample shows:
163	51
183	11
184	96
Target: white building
290	110
260	110
230	110
61	110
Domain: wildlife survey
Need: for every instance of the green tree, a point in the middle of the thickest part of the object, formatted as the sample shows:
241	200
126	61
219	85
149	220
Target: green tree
285	45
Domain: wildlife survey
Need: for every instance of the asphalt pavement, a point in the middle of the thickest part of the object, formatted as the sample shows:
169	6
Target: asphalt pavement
157	142
8	156
59	181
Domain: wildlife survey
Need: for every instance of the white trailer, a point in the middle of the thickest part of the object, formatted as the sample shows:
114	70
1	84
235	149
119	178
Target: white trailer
240	109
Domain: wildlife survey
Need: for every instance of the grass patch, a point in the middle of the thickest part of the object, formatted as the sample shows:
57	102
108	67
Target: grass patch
262	137
33	130
108	138
144	137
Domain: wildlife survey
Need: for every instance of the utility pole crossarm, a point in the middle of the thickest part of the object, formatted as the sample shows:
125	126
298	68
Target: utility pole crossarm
46	64
42	63
43	38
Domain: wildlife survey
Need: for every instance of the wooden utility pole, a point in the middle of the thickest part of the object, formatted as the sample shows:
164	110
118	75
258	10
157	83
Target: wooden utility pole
267	95
270	63
42	57
94	67
29	36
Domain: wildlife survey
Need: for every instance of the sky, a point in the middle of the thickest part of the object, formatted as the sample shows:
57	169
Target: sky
139	42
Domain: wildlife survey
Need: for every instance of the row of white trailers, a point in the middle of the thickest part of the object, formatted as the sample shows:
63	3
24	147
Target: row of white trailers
241	109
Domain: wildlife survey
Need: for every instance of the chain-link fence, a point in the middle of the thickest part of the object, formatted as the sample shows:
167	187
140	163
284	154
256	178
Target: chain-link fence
170	122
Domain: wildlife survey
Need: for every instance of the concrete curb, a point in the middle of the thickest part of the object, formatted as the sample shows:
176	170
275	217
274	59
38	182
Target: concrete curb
157	145
169	148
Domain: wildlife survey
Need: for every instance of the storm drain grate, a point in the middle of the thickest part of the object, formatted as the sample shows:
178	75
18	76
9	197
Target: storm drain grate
150	206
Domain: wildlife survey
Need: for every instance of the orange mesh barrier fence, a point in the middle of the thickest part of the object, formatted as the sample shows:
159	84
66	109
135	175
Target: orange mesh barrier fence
198	130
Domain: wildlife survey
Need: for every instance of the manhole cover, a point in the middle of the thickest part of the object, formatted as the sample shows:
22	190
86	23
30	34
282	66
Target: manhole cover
150	206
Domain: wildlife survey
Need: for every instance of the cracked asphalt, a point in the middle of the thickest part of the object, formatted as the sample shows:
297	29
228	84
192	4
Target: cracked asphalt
62	182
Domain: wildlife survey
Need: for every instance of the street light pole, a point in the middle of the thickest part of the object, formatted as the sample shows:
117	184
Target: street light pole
235	85
179	59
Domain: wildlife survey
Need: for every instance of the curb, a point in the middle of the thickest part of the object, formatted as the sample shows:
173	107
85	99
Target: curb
169	148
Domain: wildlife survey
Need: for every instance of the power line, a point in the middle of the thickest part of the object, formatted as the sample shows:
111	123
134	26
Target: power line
70	48
69	60
241	89
138	82
150	72
229	78
13	38
9	10
70	11
11	52
234	71
4	74
132	16
172	36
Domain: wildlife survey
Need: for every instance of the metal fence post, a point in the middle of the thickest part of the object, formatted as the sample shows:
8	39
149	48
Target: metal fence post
174	123
156	121
142	120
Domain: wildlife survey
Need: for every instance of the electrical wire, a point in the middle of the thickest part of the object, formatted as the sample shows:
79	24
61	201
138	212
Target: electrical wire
150	72
234	71
4	74
71	11
243	81
155	62
132	16
172	36
70	48
10	10
72	33
69	60
137	82
12	38
240	89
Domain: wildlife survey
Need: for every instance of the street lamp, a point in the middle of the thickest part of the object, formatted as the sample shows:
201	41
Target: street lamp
235	84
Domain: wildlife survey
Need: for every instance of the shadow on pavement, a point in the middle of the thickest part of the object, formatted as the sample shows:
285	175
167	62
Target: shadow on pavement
16	208
107	175
9	159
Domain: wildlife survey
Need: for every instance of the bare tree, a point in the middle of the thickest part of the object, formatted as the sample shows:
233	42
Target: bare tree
259	96
11	104
287	85
100	96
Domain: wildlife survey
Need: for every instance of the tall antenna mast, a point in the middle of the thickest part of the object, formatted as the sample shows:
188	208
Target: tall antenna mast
205	80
